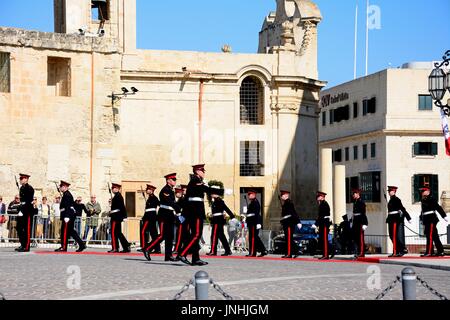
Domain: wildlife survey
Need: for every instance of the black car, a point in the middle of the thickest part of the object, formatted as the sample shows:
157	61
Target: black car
306	239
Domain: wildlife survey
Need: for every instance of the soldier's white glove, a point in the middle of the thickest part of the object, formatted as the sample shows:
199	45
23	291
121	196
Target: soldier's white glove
364	228
446	219
258	226
299	226
66	220
20	214
124	220
314	226
244	209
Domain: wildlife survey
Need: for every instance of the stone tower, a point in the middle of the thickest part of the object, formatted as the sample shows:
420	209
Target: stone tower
115	19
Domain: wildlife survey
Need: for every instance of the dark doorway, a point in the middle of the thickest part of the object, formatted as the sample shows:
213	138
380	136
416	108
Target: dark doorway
130	203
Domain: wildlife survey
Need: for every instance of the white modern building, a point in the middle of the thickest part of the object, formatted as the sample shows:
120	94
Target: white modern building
386	130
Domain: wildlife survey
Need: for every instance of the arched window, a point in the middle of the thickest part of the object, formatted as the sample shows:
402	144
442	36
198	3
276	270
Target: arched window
252	101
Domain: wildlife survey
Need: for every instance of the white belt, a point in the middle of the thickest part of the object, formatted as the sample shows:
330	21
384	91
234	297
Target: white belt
62	210
357	214
151	209
217	214
23	203
285	217
116	210
166	207
428	212
250	215
394	212
196	199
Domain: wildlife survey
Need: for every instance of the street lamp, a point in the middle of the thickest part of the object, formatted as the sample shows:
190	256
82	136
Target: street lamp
439	83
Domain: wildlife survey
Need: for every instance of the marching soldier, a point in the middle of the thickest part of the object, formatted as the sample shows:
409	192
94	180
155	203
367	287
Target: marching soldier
289	220
68	219
166	217
254	224
396	212
150	220
118	214
195	215
359	223
218	221
25	215
180	235
430	220
324	223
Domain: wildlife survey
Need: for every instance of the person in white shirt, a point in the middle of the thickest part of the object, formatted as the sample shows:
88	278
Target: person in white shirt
56	221
44	214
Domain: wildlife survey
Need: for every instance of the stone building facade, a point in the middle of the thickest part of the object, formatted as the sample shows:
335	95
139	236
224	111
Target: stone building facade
252	118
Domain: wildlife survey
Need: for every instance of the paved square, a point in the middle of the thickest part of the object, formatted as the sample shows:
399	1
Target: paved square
45	275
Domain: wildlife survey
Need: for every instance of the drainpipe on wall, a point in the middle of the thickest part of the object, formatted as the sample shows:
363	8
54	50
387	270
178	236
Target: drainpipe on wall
91	154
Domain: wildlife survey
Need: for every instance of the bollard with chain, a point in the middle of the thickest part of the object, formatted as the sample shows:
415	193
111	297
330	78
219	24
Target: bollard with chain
201	285
409	284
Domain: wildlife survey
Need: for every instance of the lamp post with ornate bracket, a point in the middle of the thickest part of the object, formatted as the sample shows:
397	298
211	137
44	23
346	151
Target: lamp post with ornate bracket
439	83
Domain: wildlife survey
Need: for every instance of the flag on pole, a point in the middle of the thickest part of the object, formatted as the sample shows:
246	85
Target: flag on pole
446	131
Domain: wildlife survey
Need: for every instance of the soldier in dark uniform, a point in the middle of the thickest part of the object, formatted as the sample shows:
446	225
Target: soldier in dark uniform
150	219
359	223
166	217
429	219
396	211
345	235
289	220
118	214
254	224
180	235
67	217
25	215
218	220
195	215
323	222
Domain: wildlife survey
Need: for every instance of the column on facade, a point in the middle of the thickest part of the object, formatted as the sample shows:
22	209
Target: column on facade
326	175
339	202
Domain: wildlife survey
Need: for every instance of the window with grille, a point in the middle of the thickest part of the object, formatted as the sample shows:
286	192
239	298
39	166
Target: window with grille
355	153
5	72
58	75
347	154
252	101
364	151
251	158
324	118
370	186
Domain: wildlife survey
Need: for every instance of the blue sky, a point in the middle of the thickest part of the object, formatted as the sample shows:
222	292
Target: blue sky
411	30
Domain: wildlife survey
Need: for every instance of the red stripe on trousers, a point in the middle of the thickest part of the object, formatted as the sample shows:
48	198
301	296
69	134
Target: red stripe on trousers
395	238
143	234
362	241
431	239
253	241
27	247
180	231
214	238
161	234
65	235
289	241
197	233
113	235
325	242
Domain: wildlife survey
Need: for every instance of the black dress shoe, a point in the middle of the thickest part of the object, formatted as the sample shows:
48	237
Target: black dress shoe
61	250
140	250
81	248
392	255
440	254
199	263
265	253
426	255
324	258
171	259
113	251
286	257
226	254
147	255
126	250
184	260
24	250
